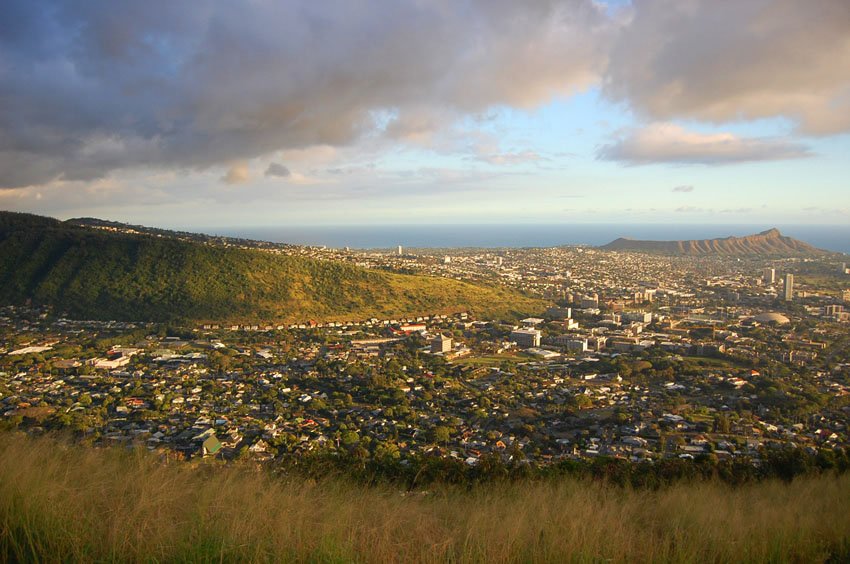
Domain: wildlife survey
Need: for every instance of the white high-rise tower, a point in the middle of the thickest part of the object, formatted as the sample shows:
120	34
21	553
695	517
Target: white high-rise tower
769	276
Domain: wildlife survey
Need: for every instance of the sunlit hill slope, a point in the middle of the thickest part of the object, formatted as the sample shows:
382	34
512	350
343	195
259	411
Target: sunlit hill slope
87	273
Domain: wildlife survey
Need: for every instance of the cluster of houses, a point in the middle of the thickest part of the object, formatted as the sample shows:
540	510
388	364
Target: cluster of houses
639	357
449	384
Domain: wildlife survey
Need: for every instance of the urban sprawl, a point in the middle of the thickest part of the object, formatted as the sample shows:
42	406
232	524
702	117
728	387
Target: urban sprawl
640	357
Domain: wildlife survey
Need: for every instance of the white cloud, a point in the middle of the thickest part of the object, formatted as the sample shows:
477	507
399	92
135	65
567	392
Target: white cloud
510	158
721	61
671	143
237	174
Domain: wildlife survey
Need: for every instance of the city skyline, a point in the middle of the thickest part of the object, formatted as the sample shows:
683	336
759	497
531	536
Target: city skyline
574	111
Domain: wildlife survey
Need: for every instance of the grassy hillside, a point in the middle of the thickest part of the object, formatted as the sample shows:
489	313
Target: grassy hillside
72	504
102	275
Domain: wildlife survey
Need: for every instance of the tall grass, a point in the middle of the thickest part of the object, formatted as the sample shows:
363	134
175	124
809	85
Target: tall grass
60	502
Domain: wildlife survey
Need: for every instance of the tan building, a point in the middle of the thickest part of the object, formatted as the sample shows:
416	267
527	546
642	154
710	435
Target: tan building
441	344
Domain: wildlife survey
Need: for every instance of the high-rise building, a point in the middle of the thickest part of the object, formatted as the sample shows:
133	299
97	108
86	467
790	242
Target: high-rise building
789	287
400	250
769	275
441	344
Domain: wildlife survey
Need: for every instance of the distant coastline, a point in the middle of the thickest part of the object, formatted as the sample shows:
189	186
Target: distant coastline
830	237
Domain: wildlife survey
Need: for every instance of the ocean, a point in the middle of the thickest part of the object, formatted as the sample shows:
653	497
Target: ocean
829	237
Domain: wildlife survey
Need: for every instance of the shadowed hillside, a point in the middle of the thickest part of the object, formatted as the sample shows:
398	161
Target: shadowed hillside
770	242
100	275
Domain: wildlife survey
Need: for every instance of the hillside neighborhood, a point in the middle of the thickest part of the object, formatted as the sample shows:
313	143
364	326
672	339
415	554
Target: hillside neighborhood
639	357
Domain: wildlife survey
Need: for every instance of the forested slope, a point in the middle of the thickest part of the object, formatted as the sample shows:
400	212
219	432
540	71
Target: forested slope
100	275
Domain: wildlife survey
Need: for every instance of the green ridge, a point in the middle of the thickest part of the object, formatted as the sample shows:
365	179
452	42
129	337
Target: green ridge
92	274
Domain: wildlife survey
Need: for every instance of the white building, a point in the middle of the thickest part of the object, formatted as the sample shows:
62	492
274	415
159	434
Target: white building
769	276
571	343
636	316
526	337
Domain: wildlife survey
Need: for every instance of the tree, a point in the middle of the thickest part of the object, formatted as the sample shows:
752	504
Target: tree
721	424
581	401
350	438
386	452
639	366
441	434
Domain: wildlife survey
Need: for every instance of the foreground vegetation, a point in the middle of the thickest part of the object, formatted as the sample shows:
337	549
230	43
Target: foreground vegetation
61	502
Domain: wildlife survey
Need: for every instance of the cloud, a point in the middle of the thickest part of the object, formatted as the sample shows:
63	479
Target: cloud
724	61
415	125
278	170
671	143
88	89
695	209
508	159
684	188
237	174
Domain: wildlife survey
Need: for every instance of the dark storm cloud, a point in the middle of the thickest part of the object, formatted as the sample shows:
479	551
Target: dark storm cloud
88	87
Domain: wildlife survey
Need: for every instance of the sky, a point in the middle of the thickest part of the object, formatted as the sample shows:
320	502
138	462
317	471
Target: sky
233	113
